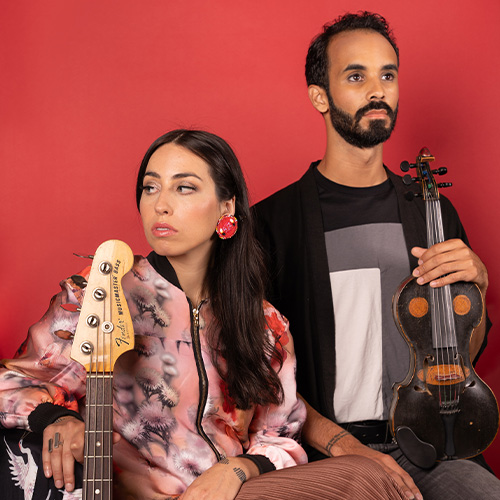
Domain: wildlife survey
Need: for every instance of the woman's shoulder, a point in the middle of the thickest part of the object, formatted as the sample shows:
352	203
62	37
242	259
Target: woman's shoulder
276	323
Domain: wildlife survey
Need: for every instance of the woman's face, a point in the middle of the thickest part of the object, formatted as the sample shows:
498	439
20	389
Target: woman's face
179	206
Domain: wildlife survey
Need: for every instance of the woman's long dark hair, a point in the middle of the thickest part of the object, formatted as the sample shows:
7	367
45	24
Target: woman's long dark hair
234	280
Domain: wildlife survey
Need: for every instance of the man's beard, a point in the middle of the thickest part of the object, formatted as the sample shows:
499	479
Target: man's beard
349	129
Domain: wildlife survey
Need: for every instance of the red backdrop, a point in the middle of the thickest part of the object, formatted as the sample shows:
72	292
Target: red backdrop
87	86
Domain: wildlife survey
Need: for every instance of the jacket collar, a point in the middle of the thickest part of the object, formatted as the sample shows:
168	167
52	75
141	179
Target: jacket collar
163	267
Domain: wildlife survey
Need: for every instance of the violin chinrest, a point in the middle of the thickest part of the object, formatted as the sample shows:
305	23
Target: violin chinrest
418	452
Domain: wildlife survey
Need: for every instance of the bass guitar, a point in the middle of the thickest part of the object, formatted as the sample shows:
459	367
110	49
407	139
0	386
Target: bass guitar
442	410
104	332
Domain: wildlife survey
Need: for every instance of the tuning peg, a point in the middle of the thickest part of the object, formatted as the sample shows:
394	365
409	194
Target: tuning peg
408	179
445	184
70	307
83	256
440	171
409	195
405	166
79	280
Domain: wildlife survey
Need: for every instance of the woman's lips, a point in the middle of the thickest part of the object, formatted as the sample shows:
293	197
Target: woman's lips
161	230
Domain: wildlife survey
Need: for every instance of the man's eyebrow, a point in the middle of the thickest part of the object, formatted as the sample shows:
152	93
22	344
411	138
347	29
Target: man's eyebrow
350	67
360	67
392	67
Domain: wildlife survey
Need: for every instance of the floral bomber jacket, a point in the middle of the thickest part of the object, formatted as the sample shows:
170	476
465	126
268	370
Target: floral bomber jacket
168	438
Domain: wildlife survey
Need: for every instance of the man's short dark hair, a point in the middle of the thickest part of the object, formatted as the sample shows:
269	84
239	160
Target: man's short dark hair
317	62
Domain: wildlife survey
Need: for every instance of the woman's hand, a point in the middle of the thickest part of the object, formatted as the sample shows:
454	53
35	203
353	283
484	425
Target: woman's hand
62	445
222	481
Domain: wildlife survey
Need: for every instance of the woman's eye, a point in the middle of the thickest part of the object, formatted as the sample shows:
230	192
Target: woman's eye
148	189
186	189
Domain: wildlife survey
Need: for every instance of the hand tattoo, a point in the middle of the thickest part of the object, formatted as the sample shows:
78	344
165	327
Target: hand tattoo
332	441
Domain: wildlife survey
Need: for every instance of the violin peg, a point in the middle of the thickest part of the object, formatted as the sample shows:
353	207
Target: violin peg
405	166
440	171
409	195
408	179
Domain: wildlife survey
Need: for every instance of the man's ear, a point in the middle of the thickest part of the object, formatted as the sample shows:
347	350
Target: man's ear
318	98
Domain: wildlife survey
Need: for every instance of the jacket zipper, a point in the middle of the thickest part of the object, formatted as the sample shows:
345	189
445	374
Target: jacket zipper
202	374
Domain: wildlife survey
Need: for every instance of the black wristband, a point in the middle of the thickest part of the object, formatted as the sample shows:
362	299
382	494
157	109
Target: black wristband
263	463
47	413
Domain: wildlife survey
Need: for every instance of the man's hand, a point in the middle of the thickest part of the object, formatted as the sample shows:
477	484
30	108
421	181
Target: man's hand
222	481
458	262
332	440
349	445
449	262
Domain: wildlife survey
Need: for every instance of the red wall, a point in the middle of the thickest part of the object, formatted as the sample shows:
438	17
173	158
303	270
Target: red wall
86	87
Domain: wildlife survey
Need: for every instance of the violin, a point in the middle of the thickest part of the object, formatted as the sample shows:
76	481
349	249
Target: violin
442	410
103	333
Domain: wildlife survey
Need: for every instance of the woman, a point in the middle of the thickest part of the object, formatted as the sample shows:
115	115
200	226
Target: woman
206	401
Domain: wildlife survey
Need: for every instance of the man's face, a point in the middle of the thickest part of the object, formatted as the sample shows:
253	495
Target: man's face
364	92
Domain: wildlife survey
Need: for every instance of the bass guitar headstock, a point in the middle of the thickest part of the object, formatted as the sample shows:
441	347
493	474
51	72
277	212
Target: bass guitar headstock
105	331
425	175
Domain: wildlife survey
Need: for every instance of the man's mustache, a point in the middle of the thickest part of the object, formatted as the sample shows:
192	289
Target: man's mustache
373	105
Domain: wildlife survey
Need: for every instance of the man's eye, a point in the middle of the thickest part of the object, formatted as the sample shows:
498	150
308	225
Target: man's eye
388	77
356	77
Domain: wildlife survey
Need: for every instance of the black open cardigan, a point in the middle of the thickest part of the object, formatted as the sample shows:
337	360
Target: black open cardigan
290	229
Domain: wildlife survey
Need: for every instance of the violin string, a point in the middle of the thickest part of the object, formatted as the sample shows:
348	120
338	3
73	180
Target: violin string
436	332
446	318
453	342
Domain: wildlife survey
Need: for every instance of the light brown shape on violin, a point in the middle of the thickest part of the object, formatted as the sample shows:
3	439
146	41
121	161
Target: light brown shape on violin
443	374
418	307
461	304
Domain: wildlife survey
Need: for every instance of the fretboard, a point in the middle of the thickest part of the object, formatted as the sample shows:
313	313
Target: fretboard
98	461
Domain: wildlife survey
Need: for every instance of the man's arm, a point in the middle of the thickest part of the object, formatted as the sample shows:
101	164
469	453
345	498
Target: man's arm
334	441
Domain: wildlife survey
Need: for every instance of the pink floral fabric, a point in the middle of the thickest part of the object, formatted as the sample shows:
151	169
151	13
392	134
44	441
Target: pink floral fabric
156	389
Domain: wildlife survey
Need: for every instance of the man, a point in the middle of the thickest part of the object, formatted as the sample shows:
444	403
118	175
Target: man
339	241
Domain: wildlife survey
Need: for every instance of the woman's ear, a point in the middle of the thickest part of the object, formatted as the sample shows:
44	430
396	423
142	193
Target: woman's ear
229	206
318	98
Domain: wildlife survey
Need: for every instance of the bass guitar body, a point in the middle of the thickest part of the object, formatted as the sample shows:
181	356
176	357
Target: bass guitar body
442	400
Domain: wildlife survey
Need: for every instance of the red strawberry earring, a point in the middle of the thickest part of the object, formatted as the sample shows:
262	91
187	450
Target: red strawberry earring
226	226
